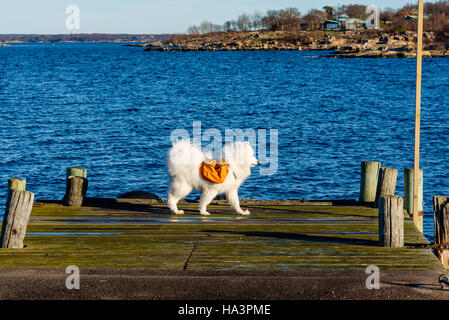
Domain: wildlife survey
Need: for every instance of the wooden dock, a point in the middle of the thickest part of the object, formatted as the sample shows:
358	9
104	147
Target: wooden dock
278	238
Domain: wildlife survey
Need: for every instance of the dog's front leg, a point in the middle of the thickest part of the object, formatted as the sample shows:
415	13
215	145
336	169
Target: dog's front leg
233	199
206	197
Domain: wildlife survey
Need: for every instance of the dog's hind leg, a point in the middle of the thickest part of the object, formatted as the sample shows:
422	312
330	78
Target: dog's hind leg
233	199
175	195
206	197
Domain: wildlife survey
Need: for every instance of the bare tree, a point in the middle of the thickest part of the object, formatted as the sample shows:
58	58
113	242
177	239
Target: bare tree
256	20
206	27
271	20
217	28
193	30
314	19
355	11
243	22
387	15
437	8
227	27
234	26
438	19
290	19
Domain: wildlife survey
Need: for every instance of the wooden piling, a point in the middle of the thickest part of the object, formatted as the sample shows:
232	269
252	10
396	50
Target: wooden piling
16	184
408	193
386	185
17	214
76	187
417	217
368	181
441	225
391	221
76	172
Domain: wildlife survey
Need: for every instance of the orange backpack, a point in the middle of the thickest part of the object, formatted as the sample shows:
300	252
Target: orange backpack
213	171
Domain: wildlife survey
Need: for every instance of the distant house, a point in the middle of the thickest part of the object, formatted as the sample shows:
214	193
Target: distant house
336	24
343	17
354	24
344	22
332	25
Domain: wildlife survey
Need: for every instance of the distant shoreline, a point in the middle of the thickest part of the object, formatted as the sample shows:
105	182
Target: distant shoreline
80	38
350	44
137	43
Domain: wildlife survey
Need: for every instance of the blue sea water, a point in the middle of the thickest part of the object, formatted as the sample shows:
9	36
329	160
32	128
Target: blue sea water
111	109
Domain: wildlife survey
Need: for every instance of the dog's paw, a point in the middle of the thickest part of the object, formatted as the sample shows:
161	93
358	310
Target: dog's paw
205	213
179	212
245	213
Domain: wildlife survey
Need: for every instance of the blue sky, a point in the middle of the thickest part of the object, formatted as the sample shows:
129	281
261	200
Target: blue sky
143	16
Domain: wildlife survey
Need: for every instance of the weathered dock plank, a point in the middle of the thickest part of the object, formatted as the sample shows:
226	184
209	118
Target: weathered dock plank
135	235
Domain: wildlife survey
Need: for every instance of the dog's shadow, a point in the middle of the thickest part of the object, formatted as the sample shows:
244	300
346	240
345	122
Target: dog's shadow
257	209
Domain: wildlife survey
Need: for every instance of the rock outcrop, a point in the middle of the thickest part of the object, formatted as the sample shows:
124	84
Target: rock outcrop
351	44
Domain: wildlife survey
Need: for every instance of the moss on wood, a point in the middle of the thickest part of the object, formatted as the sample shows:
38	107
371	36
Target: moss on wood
275	237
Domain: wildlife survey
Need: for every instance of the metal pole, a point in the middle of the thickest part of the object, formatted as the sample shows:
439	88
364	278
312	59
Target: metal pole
418	220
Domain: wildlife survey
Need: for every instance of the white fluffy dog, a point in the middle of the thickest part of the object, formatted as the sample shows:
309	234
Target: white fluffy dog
184	160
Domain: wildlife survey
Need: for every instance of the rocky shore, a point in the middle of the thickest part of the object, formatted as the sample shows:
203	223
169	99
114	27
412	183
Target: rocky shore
350	44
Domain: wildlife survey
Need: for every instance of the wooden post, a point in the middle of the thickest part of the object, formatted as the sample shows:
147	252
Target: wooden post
409	185
386	185
417	219
368	181
16	184
17	214
76	187
76	172
391	221
441	223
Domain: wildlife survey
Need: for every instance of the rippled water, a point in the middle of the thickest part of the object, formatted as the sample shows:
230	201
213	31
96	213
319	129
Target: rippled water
111	109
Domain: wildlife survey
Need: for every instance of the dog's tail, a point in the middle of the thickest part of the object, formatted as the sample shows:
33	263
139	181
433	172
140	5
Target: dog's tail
182	155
